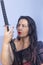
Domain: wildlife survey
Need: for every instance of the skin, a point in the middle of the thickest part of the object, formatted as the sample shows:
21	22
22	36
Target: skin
24	42
23	27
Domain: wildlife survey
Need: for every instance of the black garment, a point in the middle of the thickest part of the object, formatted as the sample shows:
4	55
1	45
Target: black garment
39	53
24	56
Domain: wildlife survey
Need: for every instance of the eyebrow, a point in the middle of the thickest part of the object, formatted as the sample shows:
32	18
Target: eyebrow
22	24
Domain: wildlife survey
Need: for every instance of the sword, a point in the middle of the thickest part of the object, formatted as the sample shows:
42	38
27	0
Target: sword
4	14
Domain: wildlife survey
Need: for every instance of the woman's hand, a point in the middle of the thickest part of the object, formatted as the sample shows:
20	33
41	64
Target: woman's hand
8	35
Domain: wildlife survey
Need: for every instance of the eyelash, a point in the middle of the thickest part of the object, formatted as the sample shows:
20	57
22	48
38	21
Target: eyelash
22	25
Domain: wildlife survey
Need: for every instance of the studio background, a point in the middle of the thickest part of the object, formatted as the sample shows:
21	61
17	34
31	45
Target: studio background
17	8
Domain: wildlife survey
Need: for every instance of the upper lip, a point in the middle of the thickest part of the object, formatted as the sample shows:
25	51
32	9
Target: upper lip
19	32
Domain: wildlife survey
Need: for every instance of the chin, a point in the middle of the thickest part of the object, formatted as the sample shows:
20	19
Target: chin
20	36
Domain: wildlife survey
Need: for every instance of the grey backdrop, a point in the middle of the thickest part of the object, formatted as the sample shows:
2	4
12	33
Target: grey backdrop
16	8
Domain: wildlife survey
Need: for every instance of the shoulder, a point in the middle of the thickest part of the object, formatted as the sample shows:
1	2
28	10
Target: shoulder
39	44
15	40
15	43
40	51
40	47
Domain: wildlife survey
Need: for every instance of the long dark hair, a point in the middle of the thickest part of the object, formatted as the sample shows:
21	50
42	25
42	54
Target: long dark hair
32	34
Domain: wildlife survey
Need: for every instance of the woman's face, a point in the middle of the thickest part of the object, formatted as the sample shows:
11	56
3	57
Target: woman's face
23	28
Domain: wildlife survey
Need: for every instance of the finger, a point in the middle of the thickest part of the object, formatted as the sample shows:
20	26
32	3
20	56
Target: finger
11	30
6	28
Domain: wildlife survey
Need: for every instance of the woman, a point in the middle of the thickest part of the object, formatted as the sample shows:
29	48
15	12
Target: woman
25	49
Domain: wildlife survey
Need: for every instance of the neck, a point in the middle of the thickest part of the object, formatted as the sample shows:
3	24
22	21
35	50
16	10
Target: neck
25	41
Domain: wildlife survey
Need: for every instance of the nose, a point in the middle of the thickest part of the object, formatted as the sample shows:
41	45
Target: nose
20	28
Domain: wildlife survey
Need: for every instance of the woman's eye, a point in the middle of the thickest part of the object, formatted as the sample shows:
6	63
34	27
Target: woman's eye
21	25
24	26
18	25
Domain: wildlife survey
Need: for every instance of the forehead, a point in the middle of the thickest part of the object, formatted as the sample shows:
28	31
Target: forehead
23	21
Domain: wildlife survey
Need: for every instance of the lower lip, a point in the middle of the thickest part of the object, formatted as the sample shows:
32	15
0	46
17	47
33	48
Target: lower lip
19	33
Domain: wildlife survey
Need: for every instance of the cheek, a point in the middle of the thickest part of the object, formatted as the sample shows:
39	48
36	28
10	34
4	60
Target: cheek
26	31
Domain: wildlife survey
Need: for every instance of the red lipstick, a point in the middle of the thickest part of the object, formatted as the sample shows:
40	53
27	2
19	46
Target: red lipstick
19	33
